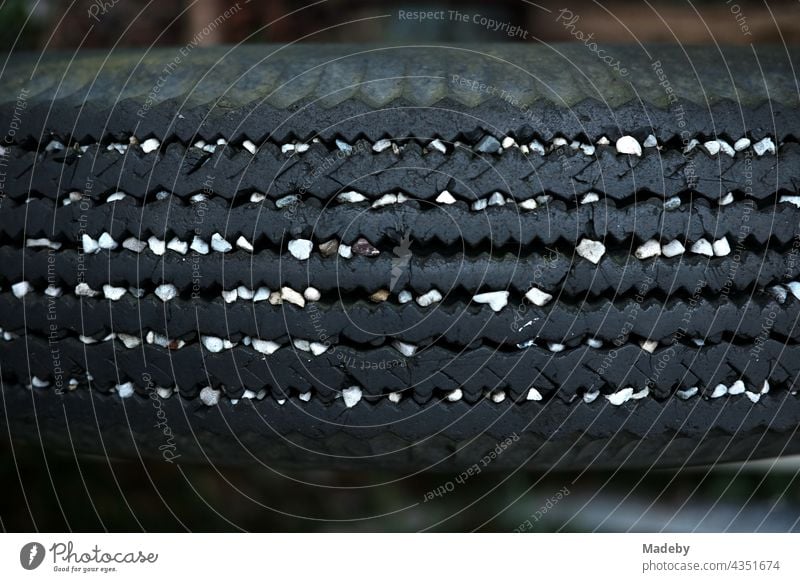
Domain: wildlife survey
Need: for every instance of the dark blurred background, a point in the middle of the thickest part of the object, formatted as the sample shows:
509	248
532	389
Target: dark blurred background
47	491
64	25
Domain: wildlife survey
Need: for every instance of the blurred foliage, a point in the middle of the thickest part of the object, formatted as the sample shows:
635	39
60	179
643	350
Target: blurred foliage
13	17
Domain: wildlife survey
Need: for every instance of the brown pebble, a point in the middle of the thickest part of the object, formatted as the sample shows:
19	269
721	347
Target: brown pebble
329	248
363	247
379	296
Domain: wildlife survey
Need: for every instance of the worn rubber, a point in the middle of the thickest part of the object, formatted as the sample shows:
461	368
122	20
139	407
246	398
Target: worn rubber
718	320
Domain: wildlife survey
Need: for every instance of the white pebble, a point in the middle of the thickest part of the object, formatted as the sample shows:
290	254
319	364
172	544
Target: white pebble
727	199
673	249
351	396
703	247
52	291
257	197
649	345
351	197
302	345
261	294
166	292
741	144
37	382
230	296
721	247
243	243
555	347
712	147
534	394
42	242
790	199
301	147
779	293
344	146
249	146
590	396
150	145
129	341
404	296
643	393
672	203
429	298
199	246
737	388
318	348
726	148
594	343
395	397
650	141
591	250
304	396
687	393
590	197
508	142
480	204
496	199
83	290
125	390
498	397
178	246
219	244
438	145
404	348
753	396
628	145
106	242
287	148
134	244
158	247
113	293
620	397
90	245
445	198
497	300
794	288
264	346
693	143
292	296
587	149
537	147
720	390
385	200
21	289
345	251
212	344
116	197
301	249
455	395
209	396
764	146
765	387
529	204
381	145
538	297
651	248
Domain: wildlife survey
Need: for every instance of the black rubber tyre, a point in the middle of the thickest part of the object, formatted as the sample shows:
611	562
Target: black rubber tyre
231	255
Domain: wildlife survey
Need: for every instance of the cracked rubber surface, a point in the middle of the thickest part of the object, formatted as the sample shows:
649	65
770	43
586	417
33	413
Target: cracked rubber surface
717	320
